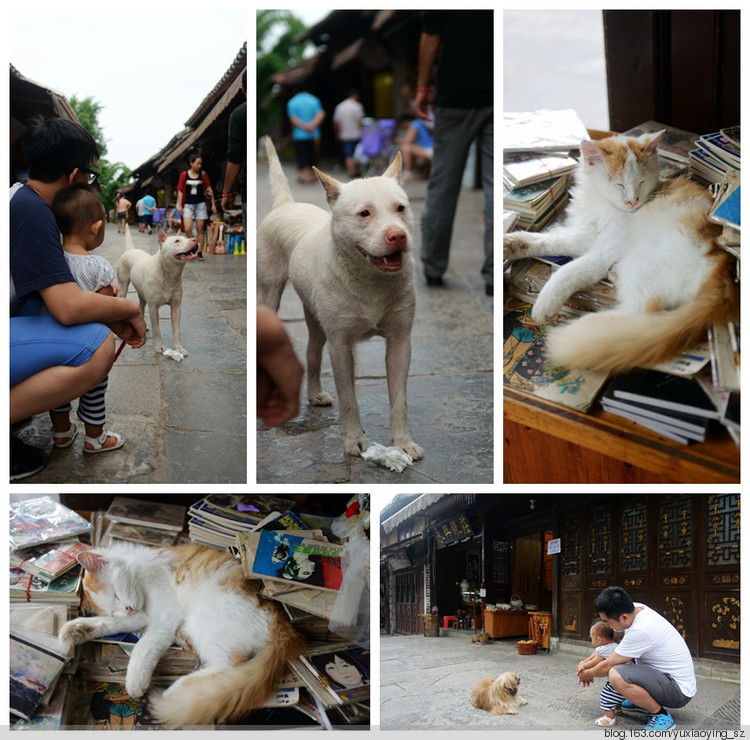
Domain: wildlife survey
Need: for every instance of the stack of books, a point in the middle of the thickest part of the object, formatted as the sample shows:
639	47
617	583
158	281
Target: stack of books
216	519
537	162
144	522
44	542
303	572
716	154
45	588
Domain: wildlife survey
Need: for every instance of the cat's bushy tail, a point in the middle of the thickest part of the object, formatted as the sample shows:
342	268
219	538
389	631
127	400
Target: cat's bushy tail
225	697
614	342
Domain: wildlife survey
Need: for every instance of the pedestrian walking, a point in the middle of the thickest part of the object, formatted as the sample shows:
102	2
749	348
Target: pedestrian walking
306	114
149	206
139	214
461	43
122	206
347	127
193	187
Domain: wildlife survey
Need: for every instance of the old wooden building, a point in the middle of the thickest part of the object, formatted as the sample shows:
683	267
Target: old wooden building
680	554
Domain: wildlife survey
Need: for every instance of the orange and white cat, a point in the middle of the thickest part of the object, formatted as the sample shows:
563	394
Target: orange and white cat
653	239
193	594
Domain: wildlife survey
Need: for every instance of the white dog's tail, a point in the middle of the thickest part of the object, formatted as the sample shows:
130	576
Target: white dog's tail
280	191
128	238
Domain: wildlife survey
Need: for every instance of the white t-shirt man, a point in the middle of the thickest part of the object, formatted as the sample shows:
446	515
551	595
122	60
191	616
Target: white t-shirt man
653	641
348	115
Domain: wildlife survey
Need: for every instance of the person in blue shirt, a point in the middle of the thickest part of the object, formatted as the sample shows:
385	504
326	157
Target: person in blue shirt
60	344
416	143
306	114
149	206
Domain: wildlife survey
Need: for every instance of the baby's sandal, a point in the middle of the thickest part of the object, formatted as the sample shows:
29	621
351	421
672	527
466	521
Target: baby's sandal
102	444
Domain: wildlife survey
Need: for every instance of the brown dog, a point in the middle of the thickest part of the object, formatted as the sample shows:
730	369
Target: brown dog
498	695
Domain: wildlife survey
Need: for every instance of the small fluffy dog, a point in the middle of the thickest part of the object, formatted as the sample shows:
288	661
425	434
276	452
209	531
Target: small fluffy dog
353	270
498	695
157	278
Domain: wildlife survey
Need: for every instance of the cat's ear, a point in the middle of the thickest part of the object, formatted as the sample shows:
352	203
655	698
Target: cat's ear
92	561
651	141
591	153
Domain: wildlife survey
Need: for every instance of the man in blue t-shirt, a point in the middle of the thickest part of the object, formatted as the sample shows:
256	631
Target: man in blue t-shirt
149	206
60	346
306	114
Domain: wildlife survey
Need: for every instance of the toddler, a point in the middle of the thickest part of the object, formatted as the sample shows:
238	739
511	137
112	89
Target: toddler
81	217
603	638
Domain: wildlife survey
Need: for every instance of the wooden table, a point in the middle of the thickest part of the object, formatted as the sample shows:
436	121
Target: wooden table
547	443
506	623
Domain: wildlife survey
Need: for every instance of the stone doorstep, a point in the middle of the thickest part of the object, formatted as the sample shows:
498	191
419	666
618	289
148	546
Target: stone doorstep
704	667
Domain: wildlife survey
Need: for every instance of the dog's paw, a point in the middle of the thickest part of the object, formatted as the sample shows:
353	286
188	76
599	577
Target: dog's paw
321	399
78	630
355	444
179	348
521	701
411	448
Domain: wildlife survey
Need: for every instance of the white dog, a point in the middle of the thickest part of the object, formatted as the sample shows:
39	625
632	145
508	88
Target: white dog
354	272
157	278
498	695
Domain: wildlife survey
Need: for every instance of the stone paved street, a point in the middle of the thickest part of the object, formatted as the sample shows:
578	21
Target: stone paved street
426	684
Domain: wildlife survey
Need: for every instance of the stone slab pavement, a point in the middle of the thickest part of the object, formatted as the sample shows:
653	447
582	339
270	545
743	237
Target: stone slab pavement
426	684
450	391
184	422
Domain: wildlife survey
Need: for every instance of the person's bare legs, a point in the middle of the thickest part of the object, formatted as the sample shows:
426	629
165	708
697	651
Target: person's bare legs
55	386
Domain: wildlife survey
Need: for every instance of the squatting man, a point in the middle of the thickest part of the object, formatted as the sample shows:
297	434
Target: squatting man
651	668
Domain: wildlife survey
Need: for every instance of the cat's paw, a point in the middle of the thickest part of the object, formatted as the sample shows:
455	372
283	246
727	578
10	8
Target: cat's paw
78	630
515	245
137	680
544	309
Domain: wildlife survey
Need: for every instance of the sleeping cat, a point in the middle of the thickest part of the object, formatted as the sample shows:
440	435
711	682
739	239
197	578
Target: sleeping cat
672	280
201	593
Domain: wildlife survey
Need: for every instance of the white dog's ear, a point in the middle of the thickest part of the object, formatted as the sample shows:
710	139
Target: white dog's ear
331	185
394	169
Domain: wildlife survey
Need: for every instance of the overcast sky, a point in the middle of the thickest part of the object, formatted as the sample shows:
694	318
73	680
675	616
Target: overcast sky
149	70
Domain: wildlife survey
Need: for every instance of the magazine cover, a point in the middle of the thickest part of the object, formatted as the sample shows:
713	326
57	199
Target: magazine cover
65	589
49	561
257	506
140	535
525	366
34	670
344	671
291	558
39	520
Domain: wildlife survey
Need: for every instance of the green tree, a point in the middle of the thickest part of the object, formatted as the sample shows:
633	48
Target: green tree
275	50
113	175
87	110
